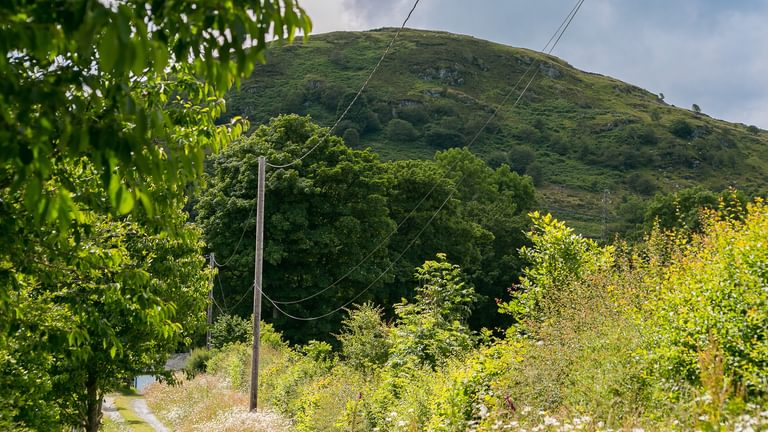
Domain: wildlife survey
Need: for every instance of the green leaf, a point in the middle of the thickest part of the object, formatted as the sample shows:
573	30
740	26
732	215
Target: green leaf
108	49
124	200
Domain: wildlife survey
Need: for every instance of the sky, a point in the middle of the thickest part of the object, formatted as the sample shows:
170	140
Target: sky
713	53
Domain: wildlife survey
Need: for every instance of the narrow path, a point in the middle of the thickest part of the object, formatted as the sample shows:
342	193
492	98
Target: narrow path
128	411
140	407
110	410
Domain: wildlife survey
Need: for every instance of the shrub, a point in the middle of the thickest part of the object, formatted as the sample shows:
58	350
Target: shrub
344	126
681	129
293	102
520	157
358	115
271	337
558	257
433	328
442	138
469	388
230	329
401	130
642	183
384	111
712	298
414	114
527	134
233	364
351	137
536	172
318	351
639	135
331	94
364	338
197	362
442	109
497	158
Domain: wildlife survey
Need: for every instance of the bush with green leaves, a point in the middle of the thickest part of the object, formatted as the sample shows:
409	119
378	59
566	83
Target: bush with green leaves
433	327
197	362
642	183
713	298
558	257
401	131
229	329
681	129
232	363
443	138
417	114
364	338
351	137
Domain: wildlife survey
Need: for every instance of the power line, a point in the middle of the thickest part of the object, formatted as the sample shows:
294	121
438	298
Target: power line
357	95
556	37
358	295
221	288
234	252
221	311
343	114
245	295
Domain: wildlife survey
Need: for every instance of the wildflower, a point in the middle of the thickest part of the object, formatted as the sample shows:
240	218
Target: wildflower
483	411
526	410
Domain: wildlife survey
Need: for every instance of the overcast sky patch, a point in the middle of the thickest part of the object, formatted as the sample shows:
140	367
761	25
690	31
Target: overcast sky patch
711	53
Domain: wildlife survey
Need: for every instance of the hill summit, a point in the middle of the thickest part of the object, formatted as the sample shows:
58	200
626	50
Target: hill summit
595	146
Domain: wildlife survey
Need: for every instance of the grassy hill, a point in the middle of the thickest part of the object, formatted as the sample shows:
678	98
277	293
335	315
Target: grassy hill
595	146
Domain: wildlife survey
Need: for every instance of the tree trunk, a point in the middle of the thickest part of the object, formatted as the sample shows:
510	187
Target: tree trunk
93	404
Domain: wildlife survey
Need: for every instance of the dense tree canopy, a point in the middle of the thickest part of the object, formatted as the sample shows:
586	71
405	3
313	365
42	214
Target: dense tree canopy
85	309
322	216
103	105
339	207
135	84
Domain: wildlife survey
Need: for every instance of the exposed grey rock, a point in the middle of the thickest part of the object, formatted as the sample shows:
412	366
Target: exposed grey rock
314	84
549	70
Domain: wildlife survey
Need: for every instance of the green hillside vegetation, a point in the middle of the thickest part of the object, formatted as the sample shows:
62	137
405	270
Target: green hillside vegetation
594	145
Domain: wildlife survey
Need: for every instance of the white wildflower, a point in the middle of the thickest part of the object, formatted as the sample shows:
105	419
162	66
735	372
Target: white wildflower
483	411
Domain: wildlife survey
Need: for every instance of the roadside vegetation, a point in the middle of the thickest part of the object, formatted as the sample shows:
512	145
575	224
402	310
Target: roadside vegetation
666	334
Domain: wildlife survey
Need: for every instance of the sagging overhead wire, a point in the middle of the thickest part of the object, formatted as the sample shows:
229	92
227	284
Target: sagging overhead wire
549	45
358	295
556	37
240	240
357	96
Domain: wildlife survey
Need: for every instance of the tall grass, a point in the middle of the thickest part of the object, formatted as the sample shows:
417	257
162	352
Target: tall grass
670	334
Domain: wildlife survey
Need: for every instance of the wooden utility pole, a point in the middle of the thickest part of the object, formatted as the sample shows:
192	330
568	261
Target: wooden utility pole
211	260
605	215
257	286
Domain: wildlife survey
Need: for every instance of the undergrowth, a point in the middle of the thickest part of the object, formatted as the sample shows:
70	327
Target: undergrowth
669	334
